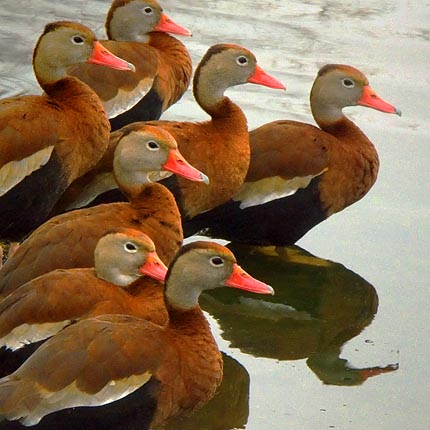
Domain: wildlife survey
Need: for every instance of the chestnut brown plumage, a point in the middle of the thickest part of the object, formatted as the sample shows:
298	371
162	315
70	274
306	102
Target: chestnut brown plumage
48	141
138	31
220	146
68	240
299	174
97	361
46	304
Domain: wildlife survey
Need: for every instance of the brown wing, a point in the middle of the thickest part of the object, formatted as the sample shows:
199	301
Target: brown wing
93	362
120	90
288	149
43	306
65	241
23	130
69	240
174	68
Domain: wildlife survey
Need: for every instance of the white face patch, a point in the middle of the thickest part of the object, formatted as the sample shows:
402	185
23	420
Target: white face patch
15	171
126	99
269	189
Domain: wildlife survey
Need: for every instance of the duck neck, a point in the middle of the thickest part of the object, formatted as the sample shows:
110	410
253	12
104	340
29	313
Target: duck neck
208	89
150	197
325	114
190	322
46	74
346	131
71	90
169	45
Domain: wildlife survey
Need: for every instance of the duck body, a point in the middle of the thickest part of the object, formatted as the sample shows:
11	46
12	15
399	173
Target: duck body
138	31
46	304
69	240
221	151
172	78
220	145
52	143
48	141
162	371
300	174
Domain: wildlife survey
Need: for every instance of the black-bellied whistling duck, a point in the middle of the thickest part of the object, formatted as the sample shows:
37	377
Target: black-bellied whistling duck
299	174
46	304
137	31
175	368
48	141
68	240
218	147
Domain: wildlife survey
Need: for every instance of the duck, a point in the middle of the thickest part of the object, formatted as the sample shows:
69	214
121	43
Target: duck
138	30
68	240
127	278
46	304
47	141
219	146
300	174
166	370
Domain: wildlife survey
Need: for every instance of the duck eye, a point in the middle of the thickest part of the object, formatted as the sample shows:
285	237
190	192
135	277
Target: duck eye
242	60
152	146
217	261
77	40
348	83
147	10
130	247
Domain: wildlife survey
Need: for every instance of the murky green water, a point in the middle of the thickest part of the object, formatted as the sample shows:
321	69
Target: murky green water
319	354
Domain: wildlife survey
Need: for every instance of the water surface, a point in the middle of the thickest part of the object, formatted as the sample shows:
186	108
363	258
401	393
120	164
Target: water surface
353	300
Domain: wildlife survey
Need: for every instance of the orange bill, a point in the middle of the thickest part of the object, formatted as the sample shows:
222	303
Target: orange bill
372	100
154	267
262	78
176	163
244	281
169	26
101	55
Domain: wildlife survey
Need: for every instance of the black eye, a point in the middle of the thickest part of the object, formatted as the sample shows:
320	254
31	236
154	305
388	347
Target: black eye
148	10
153	146
348	83
130	247
242	60
217	261
78	40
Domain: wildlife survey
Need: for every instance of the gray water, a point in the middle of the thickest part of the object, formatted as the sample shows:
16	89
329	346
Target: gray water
365	295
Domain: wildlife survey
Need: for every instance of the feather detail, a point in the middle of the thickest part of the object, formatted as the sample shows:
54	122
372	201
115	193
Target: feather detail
15	171
268	189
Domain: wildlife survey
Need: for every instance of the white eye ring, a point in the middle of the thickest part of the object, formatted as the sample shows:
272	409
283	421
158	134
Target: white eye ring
216	261
77	40
348	83
242	61
152	145
130	247
148	10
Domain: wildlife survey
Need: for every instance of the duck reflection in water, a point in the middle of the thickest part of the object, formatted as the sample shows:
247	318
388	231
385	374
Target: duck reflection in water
318	306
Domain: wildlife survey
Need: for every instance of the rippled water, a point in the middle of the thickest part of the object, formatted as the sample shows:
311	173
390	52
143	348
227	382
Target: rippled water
314	356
